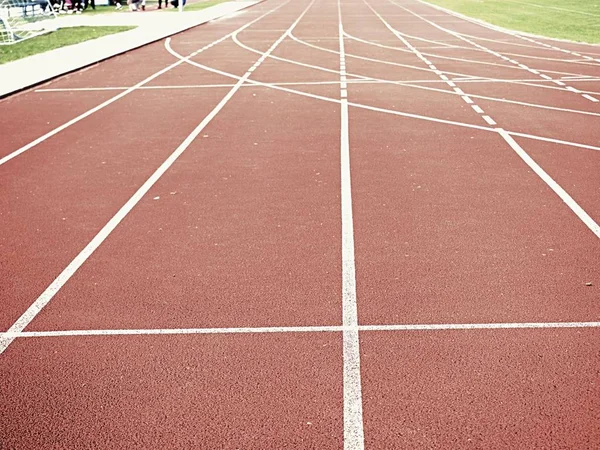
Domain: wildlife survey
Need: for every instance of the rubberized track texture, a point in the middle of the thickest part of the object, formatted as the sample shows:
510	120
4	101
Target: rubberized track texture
311	224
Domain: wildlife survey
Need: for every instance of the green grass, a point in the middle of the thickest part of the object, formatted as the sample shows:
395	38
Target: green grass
56	39
197	5
575	20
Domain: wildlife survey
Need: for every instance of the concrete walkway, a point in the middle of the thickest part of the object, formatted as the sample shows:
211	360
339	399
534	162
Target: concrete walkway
151	26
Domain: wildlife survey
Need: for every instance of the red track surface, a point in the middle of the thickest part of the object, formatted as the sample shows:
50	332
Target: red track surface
217	312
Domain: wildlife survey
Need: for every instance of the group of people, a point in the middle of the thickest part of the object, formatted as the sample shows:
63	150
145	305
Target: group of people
140	5
78	6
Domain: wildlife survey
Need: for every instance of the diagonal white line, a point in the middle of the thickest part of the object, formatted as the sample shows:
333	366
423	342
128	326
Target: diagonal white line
91	247
111	100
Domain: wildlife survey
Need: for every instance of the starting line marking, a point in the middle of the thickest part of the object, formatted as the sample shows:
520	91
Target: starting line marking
304	329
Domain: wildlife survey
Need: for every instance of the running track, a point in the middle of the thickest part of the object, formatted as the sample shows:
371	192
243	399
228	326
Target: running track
313	224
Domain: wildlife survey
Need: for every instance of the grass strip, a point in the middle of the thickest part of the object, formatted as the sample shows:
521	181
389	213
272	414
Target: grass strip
575	20
54	40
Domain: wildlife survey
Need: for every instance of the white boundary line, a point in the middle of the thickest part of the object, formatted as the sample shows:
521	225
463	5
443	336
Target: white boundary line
475	44
302	329
308	82
82	257
565	197
518	34
353	414
111	100
407	83
383	110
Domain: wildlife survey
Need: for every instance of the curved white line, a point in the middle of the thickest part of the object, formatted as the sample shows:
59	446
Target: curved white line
444	91
382	110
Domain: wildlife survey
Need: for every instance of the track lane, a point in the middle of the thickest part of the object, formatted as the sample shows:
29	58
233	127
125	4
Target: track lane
482	389
212	249
267	391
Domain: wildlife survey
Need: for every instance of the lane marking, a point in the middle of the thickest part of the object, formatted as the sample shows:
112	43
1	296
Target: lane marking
82	257
104	104
589	97
506	32
565	197
302	329
462	37
489	120
389	111
439	73
467	99
353	413
479	326
477	109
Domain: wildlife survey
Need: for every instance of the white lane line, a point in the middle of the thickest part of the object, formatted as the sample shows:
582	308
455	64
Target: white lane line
589	97
392	112
439	73
459	91
82	257
546	76
565	197
353	413
478	326
126	92
302	329
489	120
503	31
166	331
467	99
560	83
477	109
462	37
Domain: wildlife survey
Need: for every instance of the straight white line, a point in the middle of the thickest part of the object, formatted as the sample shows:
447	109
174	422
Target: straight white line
394	112
478	326
554	141
283	83
489	120
126	92
589	97
353	414
467	99
565	197
68	272
165	331
477	109
460	36
501	30
303	329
